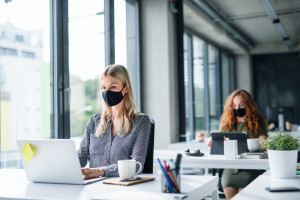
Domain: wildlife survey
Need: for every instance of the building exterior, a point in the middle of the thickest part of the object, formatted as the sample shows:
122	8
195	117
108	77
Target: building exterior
24	87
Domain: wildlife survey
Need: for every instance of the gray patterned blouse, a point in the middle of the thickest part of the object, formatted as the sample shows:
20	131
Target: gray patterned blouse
105	151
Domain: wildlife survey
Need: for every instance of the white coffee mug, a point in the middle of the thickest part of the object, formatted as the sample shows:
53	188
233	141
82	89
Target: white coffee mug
127	168
253	144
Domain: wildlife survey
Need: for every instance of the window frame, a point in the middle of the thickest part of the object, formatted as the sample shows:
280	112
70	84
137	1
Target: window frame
59	44
59	65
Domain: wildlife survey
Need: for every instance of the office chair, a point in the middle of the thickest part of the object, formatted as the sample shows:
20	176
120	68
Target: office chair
148	166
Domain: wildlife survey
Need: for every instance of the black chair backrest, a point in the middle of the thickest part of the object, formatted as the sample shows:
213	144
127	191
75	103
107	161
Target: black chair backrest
148	166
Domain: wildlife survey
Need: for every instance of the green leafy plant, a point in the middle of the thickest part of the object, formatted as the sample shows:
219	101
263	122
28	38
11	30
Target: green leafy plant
281	141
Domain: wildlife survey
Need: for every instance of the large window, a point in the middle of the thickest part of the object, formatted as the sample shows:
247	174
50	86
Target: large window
214	88
25	75
202	80
199	101
86	61
49	48
101	32
127	47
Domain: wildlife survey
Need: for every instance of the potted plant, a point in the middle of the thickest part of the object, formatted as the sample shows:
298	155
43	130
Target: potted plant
282	151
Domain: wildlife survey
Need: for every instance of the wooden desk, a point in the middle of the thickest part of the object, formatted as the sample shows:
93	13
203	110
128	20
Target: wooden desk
211	161
14	185
256	189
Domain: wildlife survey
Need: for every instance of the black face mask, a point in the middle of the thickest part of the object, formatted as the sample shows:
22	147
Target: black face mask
113	98
239	112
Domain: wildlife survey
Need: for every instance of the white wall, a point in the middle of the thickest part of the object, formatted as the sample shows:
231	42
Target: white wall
159	70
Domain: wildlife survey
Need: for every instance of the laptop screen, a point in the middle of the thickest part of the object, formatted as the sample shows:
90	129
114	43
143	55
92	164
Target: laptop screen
217	145
50	161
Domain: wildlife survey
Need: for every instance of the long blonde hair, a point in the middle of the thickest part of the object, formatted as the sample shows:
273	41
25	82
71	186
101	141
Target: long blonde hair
130	110
255	122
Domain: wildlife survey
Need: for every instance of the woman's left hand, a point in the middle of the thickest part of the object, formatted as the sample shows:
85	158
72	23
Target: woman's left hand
262	139
90	173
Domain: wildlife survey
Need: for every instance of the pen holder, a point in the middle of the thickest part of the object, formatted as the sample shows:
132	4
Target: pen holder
170	181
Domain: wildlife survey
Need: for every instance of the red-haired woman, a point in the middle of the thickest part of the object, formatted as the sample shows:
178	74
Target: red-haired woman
241	114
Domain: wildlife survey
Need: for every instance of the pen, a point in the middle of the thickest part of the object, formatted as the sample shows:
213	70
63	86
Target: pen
177	163
178	160
171	176
166	176
131	179
172	166
165	165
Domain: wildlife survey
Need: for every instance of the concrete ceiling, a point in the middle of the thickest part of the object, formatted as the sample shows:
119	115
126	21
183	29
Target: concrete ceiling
249	18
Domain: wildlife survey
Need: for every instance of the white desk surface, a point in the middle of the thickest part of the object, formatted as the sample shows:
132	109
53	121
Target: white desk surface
192	145
211	161
14	185
256	189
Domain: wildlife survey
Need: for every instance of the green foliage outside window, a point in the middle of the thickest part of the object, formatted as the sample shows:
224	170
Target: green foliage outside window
86	101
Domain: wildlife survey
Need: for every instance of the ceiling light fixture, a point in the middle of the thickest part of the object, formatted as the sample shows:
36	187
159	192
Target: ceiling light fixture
276	22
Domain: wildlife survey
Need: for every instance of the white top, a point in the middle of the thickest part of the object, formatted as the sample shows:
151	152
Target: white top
211	161
14	185
256	189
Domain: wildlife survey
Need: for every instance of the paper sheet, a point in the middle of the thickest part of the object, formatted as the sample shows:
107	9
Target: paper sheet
28	151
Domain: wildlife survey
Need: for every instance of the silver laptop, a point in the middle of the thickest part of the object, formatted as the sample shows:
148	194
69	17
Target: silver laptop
52	161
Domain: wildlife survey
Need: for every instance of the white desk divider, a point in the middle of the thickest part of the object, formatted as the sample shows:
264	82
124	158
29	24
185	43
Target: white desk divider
230	149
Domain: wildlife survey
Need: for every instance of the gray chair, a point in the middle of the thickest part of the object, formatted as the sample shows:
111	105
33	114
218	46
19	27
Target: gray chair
148	166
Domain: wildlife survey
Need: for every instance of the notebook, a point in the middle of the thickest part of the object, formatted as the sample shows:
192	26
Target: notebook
254	155
52	161
118	181
217	145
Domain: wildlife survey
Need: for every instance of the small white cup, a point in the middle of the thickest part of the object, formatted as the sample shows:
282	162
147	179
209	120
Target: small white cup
127	168
253	144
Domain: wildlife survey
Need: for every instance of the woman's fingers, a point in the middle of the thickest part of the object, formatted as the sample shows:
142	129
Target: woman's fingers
92	172
209	142
89	173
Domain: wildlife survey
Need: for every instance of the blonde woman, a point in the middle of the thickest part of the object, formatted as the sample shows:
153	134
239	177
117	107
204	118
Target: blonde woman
119	132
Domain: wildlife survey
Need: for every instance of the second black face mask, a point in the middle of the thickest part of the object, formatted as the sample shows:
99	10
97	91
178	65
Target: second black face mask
239	112
112	98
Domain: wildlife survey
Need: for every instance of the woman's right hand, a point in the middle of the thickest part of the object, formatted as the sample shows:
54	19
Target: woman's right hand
208	143
90	173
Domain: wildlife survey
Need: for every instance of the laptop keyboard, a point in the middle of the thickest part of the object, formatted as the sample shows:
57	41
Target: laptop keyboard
93	180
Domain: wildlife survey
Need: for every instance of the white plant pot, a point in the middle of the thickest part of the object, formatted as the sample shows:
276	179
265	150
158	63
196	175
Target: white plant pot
283	163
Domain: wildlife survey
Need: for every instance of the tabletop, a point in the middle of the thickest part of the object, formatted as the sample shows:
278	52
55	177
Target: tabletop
14	185
211	161
256	189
